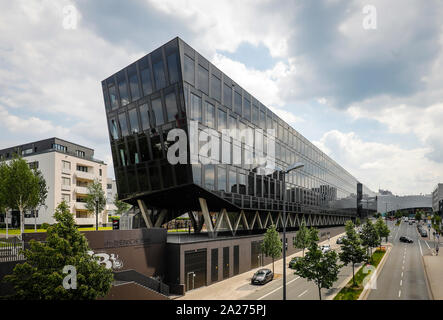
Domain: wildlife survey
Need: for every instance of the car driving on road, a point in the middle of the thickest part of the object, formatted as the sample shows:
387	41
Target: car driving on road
262	276
406	239
340	240
325	248
293	261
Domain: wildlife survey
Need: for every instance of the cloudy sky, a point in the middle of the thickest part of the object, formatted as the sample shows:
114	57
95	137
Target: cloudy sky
367	91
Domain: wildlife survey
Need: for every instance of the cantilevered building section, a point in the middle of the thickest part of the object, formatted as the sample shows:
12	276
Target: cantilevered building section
173	86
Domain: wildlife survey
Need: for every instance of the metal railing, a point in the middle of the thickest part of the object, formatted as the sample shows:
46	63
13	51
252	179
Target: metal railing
11	250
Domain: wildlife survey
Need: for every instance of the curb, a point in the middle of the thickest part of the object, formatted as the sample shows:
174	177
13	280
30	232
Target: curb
343	284
428	281
365	293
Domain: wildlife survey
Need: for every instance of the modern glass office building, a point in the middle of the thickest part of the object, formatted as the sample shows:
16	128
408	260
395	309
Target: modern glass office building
173	86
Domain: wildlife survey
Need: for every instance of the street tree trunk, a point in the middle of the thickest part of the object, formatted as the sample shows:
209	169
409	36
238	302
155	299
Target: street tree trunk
353	275
319	292
96	217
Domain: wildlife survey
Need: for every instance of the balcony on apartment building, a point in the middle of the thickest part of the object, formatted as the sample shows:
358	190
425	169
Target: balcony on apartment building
84	173
81	190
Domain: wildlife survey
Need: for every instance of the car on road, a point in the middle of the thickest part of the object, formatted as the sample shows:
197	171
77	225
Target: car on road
423	232
325	248
406	239
410	222
293	261
262	276
340	240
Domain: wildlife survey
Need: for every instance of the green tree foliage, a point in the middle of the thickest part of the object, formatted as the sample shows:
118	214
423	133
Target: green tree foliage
321	268
369	236
382	229
272	245
95	200
436	223
22	191
357	222
398	214
42	193
352	250
4	173
41	276
313	235
121	206
418	216
302	238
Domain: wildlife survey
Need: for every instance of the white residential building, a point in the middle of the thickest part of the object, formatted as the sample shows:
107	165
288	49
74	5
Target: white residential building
68	169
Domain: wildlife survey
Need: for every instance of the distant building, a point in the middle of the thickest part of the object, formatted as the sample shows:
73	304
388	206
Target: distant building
391	203
437	198
68	169
111	192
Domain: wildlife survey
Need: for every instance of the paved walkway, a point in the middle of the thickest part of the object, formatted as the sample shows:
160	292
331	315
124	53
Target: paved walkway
433	267
238	287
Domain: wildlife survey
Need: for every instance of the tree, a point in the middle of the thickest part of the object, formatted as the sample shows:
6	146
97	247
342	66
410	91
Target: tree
95	200
22	190
382	229
41	276
398	215
369	236
352	250
4	208
313	235
436	223
272	245
302	238
357	222
321	268
418	216
42	194
121	206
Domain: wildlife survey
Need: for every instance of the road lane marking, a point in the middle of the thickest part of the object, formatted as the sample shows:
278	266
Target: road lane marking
399	293
428	245
419	245
277	288
401	282
402	274
302	293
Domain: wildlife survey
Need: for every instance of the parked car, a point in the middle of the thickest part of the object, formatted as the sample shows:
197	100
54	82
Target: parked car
325	248
293	261
406	239
340	240
262	276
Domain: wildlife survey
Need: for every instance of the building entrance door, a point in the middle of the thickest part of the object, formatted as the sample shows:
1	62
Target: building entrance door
195	269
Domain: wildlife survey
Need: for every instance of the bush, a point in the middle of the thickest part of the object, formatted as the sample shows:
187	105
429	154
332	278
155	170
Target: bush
45	226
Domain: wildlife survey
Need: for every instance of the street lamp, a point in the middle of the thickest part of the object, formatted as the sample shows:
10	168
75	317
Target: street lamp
294	166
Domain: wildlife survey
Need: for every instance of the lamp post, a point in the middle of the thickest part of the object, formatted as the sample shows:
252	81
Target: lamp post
295	166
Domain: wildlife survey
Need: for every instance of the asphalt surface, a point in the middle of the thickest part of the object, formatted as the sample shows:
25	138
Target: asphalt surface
402	276
298	288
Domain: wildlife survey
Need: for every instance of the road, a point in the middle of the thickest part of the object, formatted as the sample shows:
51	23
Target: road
298	288
402	276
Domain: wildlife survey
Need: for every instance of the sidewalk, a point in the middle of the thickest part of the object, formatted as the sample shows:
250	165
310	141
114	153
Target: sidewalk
433	265
238	287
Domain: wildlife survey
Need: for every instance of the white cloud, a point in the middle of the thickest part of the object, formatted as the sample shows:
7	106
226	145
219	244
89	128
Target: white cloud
403	171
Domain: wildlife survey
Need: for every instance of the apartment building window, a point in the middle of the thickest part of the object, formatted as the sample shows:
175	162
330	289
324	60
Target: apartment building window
66	165
108	186
59	147
100	172
33	165
66	181
66	198
82	168
81	214
80	153
26	152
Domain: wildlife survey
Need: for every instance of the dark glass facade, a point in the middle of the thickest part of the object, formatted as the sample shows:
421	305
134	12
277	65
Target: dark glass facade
173	85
